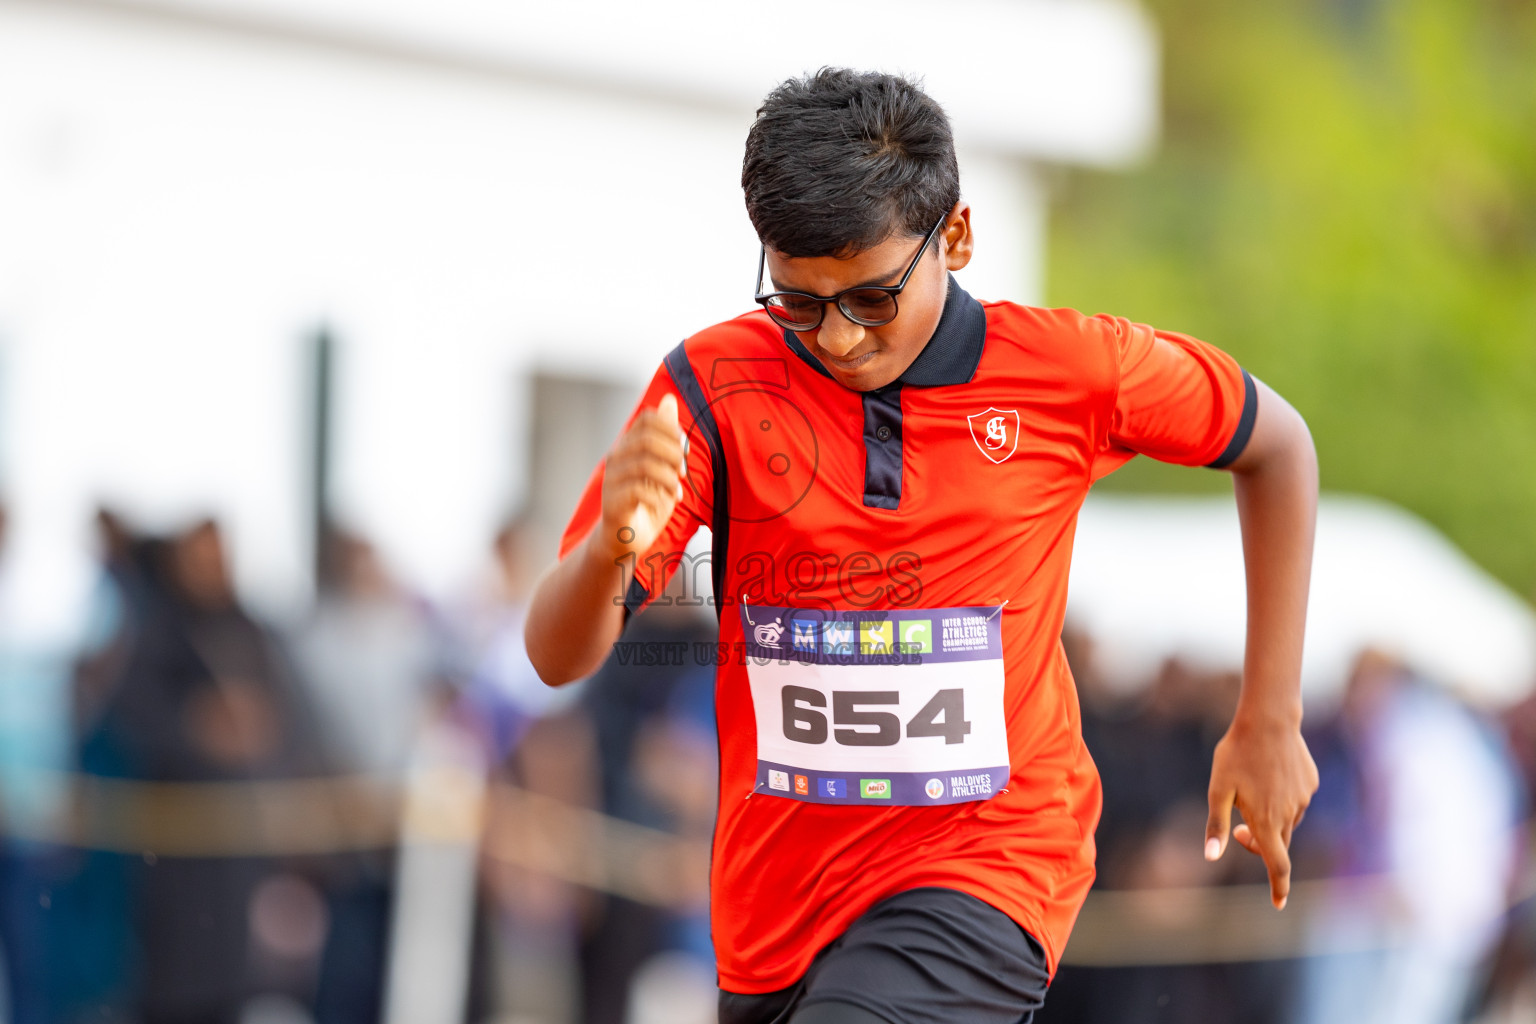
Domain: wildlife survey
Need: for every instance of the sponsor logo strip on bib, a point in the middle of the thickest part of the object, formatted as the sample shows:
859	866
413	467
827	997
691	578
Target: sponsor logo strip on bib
878	708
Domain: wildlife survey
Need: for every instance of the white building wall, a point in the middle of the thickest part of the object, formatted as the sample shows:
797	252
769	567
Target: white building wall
180	203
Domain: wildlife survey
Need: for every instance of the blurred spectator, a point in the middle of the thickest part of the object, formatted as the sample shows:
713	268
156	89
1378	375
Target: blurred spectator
504	696
45	626
204	692
529	932
201	693
1438	801
535	739
655	740
372	658
1153	751
1509	993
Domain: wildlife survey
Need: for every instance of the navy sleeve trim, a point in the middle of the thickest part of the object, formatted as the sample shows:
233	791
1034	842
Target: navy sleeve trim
681	371
1244	430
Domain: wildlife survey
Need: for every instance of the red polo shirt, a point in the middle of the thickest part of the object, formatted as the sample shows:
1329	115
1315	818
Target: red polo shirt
894	706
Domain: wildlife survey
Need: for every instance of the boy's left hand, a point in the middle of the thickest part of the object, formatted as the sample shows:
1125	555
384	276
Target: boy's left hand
1265	769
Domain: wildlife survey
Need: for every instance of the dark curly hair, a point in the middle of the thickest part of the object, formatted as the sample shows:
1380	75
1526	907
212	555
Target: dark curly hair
839	161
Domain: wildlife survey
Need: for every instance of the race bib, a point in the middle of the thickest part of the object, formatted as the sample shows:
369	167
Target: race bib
878	708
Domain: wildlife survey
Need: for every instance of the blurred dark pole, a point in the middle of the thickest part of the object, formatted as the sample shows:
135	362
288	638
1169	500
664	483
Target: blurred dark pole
322	357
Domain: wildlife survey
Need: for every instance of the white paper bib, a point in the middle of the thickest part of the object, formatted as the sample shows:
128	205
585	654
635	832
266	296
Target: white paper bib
878	707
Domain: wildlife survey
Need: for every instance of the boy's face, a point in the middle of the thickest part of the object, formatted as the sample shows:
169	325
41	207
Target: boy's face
866	358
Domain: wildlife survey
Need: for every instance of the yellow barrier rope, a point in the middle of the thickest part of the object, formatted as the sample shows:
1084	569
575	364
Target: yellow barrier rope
513	826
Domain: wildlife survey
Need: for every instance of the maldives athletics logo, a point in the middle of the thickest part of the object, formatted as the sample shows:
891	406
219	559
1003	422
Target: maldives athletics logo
996	432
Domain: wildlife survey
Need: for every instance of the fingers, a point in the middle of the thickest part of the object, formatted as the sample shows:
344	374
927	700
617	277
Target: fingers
637	494
649	483
652	434
666	410
644	467
1290	829
1278	860
1217	824
1270	845
642	476
652	448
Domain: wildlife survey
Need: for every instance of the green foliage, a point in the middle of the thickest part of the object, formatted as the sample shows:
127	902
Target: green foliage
1344	198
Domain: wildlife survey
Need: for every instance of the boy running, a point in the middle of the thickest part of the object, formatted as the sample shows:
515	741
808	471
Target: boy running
892	471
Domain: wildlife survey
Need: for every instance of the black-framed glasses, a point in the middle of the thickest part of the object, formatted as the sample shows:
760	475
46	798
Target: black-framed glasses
866	305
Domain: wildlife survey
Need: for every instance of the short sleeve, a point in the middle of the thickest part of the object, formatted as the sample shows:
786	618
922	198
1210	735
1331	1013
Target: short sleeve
649	574
1178	400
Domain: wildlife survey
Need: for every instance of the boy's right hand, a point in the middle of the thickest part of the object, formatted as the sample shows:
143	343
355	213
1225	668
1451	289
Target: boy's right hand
642	480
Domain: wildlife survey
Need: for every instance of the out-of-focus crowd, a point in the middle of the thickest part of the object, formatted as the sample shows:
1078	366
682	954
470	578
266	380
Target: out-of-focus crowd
1411	898
168	681
583	880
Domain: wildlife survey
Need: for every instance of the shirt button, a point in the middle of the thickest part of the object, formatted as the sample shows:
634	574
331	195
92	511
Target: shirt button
884	433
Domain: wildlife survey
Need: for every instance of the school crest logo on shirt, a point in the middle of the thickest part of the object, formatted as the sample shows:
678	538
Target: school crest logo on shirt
996	432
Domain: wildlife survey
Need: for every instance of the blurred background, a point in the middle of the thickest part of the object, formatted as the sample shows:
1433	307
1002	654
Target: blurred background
314	316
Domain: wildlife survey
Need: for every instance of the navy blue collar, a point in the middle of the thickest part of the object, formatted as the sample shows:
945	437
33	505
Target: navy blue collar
951	355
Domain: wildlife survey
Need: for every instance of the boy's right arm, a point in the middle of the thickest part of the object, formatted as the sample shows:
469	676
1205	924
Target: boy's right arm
573	616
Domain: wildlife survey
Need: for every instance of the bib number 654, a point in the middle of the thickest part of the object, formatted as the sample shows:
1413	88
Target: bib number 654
943	715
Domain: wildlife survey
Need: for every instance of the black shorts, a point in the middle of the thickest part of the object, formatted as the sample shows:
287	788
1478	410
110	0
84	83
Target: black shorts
925	956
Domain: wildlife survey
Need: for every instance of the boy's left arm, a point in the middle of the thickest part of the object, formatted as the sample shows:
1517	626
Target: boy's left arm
1262	765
